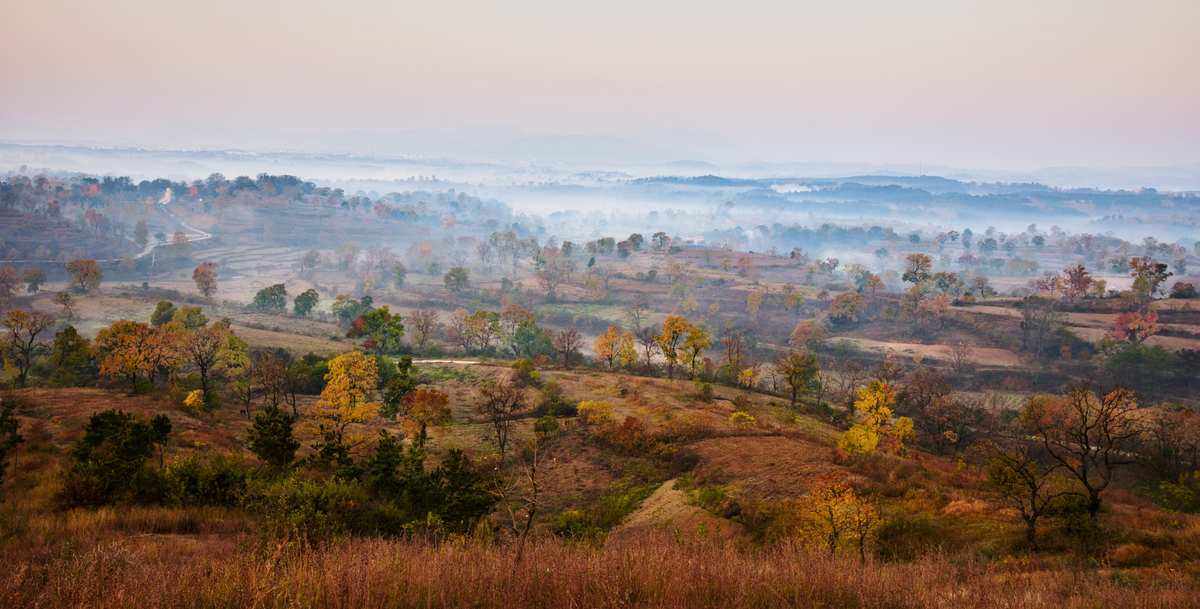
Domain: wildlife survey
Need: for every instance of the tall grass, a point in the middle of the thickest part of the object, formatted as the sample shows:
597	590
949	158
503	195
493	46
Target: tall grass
647	571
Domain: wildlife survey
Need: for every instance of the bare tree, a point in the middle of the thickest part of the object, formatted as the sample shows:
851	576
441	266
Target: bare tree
500	402
1089	436
567	343
423	324
1023	480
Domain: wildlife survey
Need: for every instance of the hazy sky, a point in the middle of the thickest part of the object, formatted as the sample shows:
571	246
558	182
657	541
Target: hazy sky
998	83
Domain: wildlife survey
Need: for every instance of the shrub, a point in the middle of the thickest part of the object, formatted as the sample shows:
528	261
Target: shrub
554	403
216	480
271	439
907	537
742	419
109	464
308	511
594	412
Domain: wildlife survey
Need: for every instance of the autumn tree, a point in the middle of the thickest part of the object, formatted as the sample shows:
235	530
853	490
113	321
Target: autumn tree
346	399
799	370
873	411
834	513
697	341
10	280
1134	326
674	329
422	407
67	302
917	269
1090	436
124	349
1077	281
1148	276
34	277
201	350
85	274
205	276
20	342
606	345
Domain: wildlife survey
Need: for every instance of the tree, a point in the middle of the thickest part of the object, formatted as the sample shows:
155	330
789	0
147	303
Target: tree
457	280
141	233
918	268
1041	321
131	351
1148	276
566	344
399	274
271	437
345	400
627	350
873	411
499	404
799	370
1078	280
422	407
606	345
10	437
71	359
189	318
1089	436
163	313
305	302
67	302
108	463
10	280
85	274
697	341
647	337
1134	327
381	329
272	299
846	308
34	278
1023	481
424	324
205	276
834	512
20	343
201	349
674	329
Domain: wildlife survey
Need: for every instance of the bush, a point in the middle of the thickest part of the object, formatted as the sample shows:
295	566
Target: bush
308	511
216	480
906	537
109	464
553	403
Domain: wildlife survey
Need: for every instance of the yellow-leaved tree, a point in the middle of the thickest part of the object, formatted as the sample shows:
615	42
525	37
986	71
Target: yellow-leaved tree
606	345
346	399
674	328
873	414
627	350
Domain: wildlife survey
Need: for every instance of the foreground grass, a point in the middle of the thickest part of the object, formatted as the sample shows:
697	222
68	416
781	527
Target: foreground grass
170	570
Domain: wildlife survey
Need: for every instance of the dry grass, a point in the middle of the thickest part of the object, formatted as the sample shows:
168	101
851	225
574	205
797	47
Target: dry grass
643	571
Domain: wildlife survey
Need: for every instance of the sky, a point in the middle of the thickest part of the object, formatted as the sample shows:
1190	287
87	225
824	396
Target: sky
1001	84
